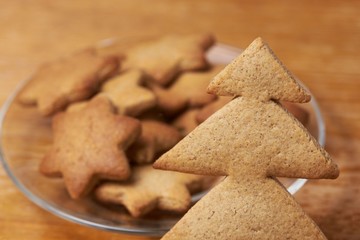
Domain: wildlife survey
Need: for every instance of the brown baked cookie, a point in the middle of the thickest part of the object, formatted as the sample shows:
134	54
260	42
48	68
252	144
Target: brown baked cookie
127	94
273	80
70	79
211	108
167	102
163	59
148	189
229	212
192	87
251	140
156	138
74	107
248	136
249	132
186	122
90	144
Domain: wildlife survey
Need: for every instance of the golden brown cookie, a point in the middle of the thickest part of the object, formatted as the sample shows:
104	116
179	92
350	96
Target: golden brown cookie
74	107
90	144
186	122
250	132
70	79
148	189
156	138
192	87
245	209
252	140
258	73
167	102
163	59
127	94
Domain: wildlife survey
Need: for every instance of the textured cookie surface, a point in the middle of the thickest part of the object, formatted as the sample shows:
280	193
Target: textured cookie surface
163	59
258	73
245	134
127	94
186	122
252	140
192	86
90	144
245	209
167	102
67	80
156	138
149	188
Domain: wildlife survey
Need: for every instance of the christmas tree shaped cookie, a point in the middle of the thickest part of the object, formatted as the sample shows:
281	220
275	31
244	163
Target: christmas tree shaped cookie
252	140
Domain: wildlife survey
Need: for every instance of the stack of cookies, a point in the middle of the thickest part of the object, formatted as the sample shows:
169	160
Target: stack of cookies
115	112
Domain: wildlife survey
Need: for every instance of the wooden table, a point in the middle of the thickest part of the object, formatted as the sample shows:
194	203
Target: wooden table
319	41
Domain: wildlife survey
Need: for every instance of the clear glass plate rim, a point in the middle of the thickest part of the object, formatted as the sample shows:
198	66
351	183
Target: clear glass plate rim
147	231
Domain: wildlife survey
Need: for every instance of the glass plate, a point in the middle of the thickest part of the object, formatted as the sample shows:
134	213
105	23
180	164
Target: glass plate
25	137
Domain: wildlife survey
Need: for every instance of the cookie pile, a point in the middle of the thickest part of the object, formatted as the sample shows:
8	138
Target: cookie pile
115	112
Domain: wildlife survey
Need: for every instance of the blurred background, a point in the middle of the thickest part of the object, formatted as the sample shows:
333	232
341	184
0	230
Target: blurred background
319	41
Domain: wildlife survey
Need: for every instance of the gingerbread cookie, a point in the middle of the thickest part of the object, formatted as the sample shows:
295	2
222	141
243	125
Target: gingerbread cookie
156	138
192	87
148	189
90	144
186	122
237	79
127	94
168	103
74	107
262	126
70	79
251	140
163	59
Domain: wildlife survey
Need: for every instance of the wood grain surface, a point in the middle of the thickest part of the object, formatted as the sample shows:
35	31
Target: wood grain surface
319	41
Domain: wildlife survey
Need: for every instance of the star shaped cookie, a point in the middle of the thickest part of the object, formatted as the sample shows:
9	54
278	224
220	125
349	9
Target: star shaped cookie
156	138
163	59
192	86
167	102
149	188
70	79
186	122
90	144
127	94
